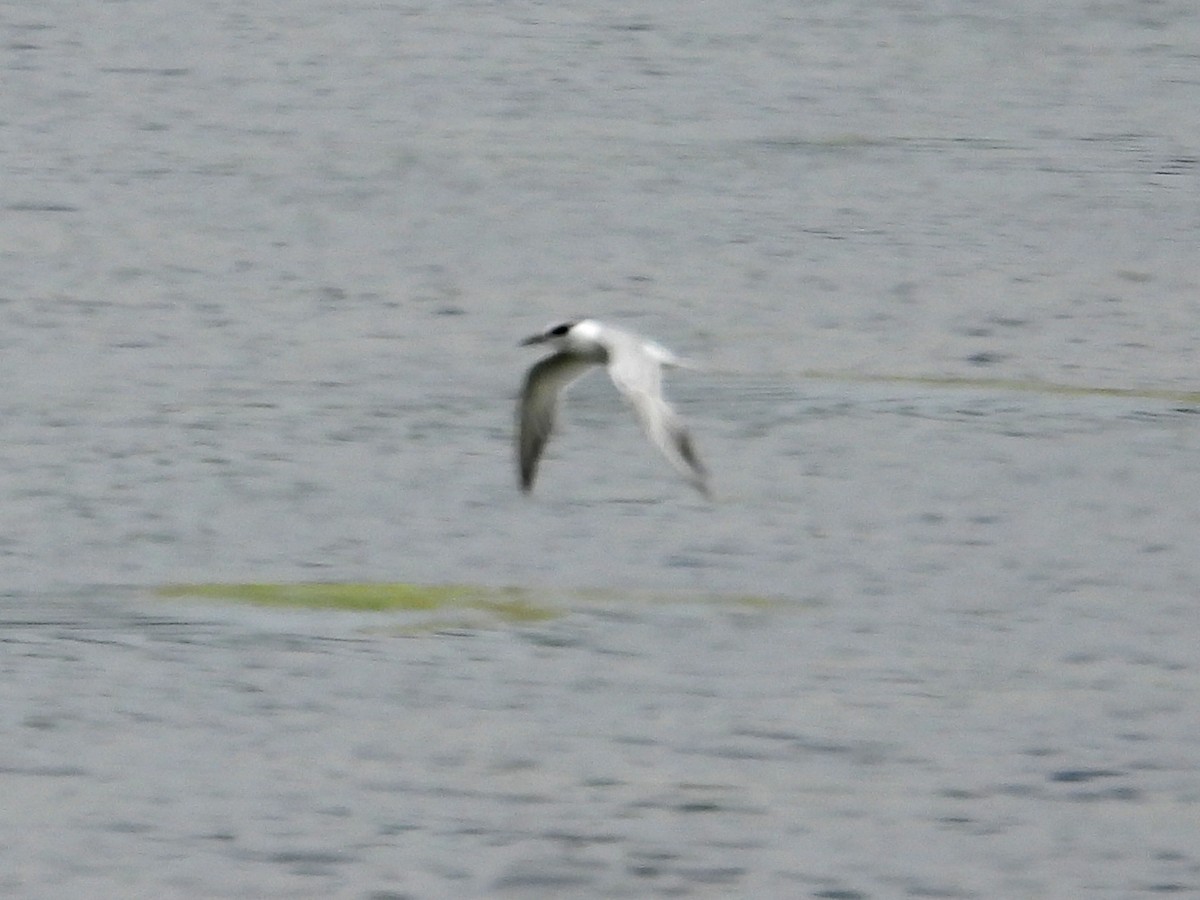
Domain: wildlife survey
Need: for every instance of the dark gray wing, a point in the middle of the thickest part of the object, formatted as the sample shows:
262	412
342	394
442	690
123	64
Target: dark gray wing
538	407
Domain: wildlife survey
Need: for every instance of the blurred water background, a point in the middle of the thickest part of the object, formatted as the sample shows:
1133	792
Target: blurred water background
263	269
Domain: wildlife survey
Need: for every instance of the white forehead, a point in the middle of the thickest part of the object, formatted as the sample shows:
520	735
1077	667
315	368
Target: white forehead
588	329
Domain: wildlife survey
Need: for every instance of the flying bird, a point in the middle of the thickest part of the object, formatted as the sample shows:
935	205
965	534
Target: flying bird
635	366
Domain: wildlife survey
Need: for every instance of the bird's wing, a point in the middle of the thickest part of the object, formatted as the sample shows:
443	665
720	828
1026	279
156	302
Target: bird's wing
538	406
639	378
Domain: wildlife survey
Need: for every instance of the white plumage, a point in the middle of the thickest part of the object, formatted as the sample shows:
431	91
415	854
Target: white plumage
635	366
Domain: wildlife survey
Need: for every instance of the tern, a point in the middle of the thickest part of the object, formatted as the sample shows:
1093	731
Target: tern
635	366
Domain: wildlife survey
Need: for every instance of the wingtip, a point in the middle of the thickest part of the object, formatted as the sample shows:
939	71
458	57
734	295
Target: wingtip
525	482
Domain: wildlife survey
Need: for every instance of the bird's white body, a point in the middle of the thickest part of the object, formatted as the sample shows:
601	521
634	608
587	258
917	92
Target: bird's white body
635	366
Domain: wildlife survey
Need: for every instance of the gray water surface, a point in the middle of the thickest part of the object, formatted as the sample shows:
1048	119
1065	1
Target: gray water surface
262	274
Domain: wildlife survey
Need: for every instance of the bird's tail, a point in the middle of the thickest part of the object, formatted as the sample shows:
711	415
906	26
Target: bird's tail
669	360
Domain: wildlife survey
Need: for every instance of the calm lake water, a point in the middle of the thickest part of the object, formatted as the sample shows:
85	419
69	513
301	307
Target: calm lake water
262	275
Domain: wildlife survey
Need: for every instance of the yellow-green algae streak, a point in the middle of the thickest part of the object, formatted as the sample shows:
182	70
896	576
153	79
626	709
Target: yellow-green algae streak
1028	385
509	604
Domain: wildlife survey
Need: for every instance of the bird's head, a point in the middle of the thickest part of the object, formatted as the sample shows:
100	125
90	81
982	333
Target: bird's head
579	335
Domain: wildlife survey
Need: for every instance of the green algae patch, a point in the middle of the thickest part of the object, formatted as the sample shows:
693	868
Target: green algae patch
450	604
1014	385
509	604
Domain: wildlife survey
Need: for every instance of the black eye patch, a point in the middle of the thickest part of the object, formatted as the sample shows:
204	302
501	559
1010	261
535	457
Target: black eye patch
560	330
